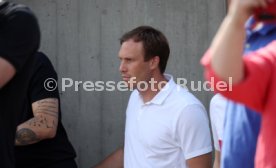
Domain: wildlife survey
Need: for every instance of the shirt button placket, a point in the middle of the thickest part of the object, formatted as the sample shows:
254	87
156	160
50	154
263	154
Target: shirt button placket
141	111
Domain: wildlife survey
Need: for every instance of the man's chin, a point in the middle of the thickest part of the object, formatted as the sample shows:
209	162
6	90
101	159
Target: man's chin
131	85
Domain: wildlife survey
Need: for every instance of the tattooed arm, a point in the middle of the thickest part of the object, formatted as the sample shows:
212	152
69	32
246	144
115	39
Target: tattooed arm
42	126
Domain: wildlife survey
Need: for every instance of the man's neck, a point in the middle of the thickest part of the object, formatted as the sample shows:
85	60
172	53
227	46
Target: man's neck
153	88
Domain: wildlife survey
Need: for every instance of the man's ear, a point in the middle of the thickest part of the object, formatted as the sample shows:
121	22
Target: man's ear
154	62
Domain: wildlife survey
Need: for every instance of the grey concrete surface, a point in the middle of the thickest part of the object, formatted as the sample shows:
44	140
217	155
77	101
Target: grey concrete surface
81	39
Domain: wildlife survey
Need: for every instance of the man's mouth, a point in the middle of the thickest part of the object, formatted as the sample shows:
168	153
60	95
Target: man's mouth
126	78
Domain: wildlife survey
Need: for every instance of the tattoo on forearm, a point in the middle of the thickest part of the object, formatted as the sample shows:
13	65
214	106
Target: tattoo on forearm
48	107
41	121
51	113
26	136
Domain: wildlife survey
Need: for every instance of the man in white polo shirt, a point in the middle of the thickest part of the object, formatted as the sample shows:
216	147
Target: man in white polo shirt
166	126
217	111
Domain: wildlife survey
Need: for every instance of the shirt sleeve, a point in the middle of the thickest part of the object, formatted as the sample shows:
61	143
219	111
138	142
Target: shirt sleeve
213	119
44	82
19	35
217	113
193	131
252	90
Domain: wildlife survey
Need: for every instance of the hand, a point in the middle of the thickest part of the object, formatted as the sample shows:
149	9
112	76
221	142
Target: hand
242	9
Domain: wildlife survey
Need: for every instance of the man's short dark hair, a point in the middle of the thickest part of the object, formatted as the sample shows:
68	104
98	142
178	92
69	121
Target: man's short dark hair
154	42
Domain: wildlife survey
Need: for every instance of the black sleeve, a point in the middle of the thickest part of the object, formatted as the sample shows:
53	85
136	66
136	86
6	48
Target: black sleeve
19	34
44	71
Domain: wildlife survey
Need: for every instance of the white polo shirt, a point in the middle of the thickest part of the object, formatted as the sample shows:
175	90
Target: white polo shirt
166	131
217	112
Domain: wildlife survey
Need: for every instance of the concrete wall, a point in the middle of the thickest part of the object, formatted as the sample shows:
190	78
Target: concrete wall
81	39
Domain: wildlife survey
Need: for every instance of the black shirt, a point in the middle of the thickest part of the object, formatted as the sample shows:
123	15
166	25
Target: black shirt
19	40
49	151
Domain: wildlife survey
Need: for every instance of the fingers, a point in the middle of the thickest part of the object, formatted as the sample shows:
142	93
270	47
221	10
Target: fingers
262	3
248	6
270	1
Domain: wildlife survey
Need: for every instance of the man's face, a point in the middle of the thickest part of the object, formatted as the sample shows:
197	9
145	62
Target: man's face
228	2
133	68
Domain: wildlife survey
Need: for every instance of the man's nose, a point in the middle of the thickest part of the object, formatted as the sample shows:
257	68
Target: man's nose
122	67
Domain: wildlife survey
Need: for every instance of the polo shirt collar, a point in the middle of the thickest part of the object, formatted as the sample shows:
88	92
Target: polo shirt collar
164	92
